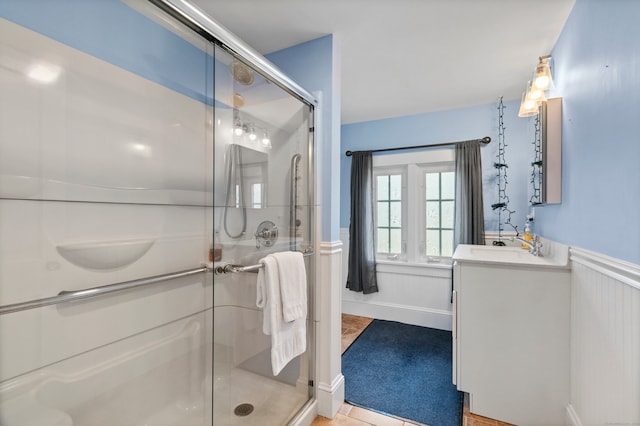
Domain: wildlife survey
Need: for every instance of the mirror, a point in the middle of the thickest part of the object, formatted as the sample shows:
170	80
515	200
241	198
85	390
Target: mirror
546	174
246	177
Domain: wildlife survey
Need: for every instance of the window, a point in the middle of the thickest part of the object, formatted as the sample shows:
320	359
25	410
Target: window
414	205
439	211
256	195
388	186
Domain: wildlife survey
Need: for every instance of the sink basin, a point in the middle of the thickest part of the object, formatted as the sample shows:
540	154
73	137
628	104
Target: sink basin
554	255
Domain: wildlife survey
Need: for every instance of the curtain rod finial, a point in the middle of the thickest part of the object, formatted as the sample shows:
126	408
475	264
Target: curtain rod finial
348	153
486	139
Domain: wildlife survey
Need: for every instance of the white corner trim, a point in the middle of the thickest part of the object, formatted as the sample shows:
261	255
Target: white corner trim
625	272
330	247
572	417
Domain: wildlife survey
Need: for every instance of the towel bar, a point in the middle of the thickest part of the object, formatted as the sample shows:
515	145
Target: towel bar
69	296
229	268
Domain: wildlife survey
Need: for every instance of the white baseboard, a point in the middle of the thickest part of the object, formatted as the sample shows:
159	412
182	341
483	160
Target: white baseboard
330	398
440	320
572	417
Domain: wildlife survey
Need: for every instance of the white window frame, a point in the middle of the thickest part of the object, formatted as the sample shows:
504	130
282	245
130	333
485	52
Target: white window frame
413	165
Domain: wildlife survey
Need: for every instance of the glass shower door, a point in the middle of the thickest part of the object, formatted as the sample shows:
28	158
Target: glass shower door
106	148
262	205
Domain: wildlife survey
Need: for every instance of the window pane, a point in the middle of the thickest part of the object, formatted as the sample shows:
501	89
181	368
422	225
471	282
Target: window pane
256	195
396	213
383	187
447	243
433	214
433	243
383	214
383	241
396	241
432	186
395	185
448	186
447	214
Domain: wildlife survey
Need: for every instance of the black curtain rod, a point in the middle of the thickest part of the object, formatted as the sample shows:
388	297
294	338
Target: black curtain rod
484	140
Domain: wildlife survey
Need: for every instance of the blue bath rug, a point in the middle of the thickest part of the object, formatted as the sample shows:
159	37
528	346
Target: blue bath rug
404	371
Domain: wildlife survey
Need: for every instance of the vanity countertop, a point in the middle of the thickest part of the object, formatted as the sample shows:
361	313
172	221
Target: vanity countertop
554	255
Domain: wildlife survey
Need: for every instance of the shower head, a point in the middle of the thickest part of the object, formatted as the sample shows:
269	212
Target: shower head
238	100
241	73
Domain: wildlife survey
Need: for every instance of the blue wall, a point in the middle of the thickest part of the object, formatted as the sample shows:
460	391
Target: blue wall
448	126
597	72
313	66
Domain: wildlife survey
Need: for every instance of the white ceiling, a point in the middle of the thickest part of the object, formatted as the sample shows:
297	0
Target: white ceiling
403	57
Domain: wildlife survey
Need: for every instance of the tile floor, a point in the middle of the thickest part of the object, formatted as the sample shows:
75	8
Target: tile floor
349	415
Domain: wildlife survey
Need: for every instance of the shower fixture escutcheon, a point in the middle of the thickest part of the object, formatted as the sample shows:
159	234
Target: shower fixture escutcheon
266	234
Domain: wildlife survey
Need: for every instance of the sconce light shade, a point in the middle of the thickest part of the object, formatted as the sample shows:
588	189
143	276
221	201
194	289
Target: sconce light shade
266	142
252	133
237	127
535	94
528	107
542	79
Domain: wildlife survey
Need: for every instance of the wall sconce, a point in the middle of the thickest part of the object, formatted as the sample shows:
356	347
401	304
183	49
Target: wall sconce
252	133
543	80
534	96
241	128
266	142
238	127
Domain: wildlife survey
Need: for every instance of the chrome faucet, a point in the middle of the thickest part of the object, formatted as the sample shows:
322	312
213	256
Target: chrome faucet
534	245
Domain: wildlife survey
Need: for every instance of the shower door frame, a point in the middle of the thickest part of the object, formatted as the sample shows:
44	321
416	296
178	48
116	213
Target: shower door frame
211	30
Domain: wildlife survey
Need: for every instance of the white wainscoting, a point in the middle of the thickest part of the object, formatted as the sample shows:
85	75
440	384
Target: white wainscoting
418	294
605	341
605	326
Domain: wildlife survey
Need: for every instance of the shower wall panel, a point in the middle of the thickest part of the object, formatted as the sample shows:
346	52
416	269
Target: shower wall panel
96	132
105	177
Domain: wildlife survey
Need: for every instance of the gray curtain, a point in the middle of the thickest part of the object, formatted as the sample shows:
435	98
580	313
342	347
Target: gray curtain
469	216
362	232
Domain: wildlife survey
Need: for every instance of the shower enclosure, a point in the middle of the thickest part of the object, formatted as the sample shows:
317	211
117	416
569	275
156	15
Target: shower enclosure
148	161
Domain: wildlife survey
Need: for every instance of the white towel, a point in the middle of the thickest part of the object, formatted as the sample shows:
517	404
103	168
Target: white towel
293	284
288	339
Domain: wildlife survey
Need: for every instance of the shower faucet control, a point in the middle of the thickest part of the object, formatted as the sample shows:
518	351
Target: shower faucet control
267	234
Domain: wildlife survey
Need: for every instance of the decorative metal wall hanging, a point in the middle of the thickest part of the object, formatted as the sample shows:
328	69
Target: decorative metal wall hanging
502	206
536	166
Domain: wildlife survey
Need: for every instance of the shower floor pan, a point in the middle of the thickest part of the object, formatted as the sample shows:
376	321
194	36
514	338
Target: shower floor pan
274	402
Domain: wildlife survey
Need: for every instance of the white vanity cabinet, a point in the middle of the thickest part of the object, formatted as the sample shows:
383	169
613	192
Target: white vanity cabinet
511	333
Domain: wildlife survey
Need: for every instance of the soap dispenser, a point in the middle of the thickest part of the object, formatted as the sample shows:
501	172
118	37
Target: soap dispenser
527	235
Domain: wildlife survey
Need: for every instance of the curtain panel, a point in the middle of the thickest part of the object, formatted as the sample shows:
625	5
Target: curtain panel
362	231
469	210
